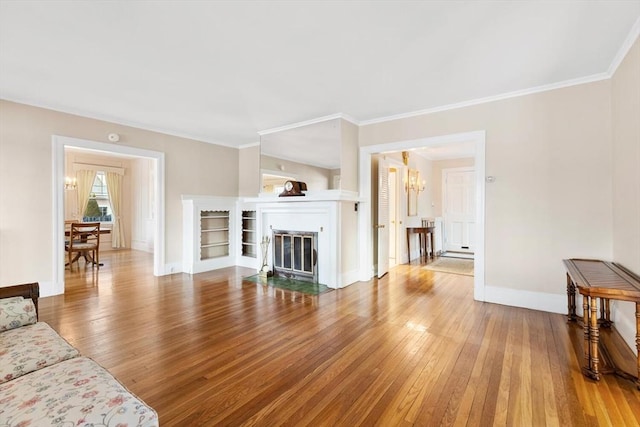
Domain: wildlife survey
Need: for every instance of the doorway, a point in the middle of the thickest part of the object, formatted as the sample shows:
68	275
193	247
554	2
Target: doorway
157	158
366	241
458	202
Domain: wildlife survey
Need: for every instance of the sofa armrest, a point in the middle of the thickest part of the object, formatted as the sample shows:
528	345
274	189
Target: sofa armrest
26	290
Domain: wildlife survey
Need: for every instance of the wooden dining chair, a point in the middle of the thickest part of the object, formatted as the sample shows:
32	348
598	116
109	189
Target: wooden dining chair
84	240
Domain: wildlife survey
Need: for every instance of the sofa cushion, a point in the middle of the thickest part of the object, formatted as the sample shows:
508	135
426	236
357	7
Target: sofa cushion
16	312
31	347
76	392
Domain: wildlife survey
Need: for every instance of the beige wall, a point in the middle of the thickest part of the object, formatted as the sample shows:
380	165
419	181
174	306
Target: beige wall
551	155
348	156
249	171
625	109
26	195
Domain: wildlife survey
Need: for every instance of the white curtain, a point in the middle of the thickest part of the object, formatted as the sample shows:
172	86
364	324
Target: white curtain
84	180
114	187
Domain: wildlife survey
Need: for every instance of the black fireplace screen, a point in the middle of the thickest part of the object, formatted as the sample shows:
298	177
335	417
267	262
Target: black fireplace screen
295	254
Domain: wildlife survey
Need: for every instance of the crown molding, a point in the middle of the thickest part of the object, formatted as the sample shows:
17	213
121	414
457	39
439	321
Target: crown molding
631	38
249	145
309	122
115	120
633	35
470	103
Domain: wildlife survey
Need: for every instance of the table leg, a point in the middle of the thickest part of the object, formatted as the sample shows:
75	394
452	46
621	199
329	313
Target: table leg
587	352
594	338
433	244
638	341
571	297
408	245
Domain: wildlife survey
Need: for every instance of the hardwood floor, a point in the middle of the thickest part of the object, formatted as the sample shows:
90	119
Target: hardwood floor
412	348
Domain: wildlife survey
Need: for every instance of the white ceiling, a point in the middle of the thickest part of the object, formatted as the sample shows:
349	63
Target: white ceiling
223	71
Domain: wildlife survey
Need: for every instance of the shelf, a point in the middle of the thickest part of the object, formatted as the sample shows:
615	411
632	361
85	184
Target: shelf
248	226
213	229
212	245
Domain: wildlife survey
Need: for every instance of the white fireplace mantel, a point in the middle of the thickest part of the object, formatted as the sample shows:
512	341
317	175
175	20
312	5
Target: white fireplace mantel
332	214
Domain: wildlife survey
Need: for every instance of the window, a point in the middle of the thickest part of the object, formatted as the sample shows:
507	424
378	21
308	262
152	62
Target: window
99	206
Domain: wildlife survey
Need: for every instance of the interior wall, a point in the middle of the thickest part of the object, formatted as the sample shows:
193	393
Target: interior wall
249	171
551	155
26	195
625	112
348	156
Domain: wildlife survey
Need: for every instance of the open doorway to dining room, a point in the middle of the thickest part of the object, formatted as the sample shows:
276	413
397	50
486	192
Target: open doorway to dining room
150	162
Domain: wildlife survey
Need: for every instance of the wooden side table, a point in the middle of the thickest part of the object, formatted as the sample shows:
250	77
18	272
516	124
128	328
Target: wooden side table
595	279
424	233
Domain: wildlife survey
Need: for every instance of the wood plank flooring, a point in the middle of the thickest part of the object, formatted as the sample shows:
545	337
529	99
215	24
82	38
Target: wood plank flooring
412	348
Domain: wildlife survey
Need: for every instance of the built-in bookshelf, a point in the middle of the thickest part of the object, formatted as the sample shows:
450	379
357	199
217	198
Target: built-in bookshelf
249	234
209	241
214	234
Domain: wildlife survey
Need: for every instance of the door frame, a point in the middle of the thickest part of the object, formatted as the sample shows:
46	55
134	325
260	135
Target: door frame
58	144
365	232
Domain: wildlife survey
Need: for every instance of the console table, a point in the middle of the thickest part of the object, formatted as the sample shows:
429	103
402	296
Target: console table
423	234
605	280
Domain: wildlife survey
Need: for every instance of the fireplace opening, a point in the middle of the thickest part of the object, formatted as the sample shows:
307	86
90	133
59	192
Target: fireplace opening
295	255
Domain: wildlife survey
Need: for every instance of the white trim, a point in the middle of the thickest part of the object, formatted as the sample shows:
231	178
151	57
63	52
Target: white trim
249	145
552	303
309	122
634	33
365	227
472	102
116	120
58	145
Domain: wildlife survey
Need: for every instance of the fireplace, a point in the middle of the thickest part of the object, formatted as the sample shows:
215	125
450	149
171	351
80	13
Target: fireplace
295	255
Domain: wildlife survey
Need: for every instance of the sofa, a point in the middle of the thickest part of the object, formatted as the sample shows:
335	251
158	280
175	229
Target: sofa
45	381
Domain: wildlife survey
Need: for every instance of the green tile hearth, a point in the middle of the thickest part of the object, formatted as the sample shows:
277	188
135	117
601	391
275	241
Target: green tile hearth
290	284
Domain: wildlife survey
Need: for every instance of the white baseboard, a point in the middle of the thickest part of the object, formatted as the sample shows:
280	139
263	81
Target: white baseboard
172	268
143	246
248	262
552	303
349	277
48	289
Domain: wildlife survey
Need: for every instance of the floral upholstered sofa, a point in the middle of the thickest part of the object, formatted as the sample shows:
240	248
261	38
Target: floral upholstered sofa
45	381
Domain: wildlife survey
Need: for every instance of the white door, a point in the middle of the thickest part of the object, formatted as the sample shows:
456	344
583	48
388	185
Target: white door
393	217
458	192
383	217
